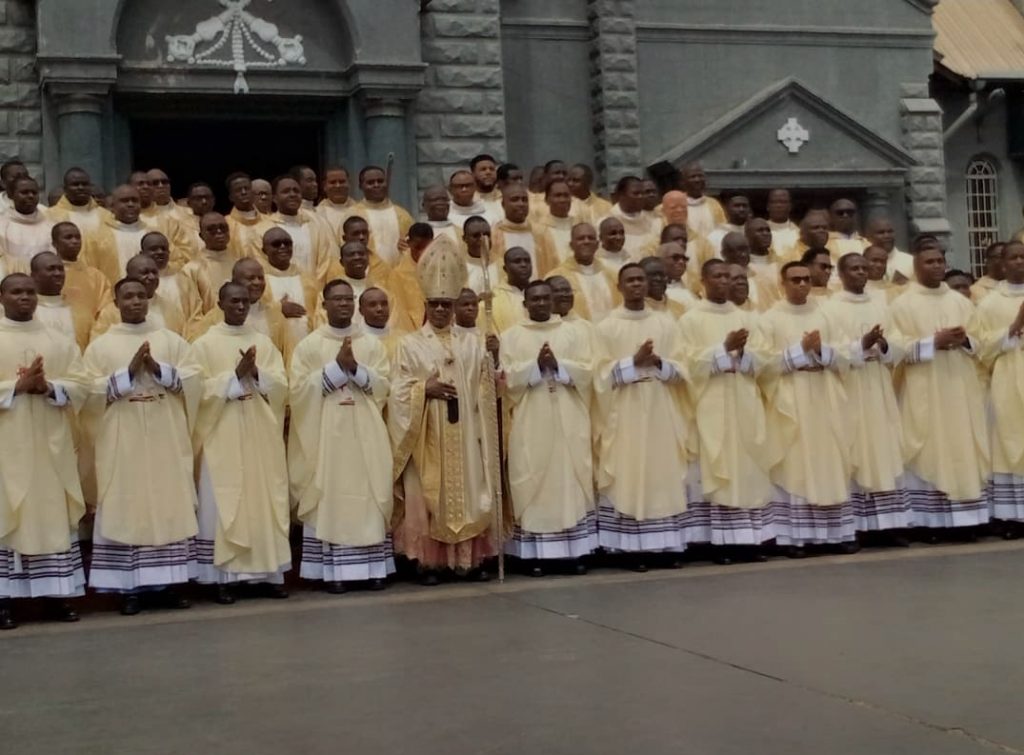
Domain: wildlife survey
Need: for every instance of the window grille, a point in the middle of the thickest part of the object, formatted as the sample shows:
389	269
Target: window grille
982	210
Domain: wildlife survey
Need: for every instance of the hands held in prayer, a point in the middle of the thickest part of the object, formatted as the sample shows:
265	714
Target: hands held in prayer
346	359
1017	327
811	343
143	360
32	379
950	338
436	389
546	360
247	364
645	356
736	340
290	308
874	336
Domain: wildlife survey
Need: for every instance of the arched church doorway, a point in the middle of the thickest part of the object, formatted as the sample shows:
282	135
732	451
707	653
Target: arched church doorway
211	149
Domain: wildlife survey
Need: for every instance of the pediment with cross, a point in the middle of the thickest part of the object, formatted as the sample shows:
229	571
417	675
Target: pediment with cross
789	129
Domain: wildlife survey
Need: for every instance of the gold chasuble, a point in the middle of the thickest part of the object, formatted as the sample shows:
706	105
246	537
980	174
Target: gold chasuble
945	435
594	287
405	295
730	416
807	406
312	245
508	309
535	238
87	218
1005	358
22	237
141	430
208	272
445	451
550	465
246	232
339	454
239	435
874	416
388	223
641	423
69	318
335	215
40	496
456	463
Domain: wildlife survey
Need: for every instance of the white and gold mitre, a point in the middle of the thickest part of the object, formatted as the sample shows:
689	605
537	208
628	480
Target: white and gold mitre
442	269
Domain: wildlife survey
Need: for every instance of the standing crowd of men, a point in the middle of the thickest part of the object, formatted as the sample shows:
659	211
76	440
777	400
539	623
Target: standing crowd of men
648	373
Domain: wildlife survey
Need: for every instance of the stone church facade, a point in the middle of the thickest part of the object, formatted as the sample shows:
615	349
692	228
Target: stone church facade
827	97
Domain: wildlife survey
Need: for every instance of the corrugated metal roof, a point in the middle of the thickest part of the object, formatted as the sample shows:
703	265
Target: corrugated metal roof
980	39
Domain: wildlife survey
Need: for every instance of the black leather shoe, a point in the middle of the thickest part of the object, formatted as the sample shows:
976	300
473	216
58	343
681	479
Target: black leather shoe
174	599
275	592
795	551
130	605
536	571
7	619
377	584
335	588
429	579
849	548
580	568
61	610
481	575
224	596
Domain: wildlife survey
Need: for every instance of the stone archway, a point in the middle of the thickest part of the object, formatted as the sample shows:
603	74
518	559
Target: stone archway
92	56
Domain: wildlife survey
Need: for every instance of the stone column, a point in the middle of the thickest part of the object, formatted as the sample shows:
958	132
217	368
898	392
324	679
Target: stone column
386	134
921	121
461	110
80	133
877	202
614	89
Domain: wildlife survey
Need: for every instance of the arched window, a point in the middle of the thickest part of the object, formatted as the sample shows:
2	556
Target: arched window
982	210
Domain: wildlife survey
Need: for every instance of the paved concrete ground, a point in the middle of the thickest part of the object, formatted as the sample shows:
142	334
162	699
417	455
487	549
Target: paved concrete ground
918	651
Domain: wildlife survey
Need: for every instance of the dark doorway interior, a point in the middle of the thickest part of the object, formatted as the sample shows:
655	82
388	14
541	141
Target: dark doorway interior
210	150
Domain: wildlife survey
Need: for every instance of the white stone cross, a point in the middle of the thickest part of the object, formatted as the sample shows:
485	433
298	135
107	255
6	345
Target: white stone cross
793	136
242	32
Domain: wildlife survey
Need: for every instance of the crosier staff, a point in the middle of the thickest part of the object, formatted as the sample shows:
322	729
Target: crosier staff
499	504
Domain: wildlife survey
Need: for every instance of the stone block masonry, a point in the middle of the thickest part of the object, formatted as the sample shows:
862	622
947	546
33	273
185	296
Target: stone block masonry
20	108
461	110
921	122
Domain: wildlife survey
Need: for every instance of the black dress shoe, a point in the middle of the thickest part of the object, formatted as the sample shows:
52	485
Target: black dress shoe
130	605
849	548
224	596
336	588
377	584
7	619
275	592
723	559
580	568
171	598
536	571
639	567
795	551
481	575
429	579
61	610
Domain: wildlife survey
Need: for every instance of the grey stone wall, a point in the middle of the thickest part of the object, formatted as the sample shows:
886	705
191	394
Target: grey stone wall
461	110
921	124
20	109
614	88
